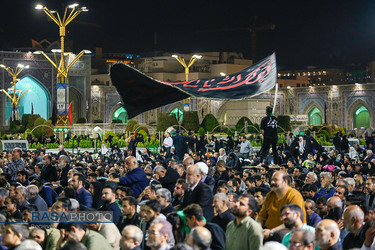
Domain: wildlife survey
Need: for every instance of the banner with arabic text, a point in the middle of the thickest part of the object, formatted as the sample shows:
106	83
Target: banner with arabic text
141	93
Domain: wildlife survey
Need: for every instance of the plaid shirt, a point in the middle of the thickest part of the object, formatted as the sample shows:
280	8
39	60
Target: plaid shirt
14	167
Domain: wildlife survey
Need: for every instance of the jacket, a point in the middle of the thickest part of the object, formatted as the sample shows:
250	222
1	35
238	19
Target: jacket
136	179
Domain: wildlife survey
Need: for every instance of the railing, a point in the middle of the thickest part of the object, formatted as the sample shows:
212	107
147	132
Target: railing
249	126
87	128
220	126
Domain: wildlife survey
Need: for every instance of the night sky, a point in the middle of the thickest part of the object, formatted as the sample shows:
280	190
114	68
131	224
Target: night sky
321	33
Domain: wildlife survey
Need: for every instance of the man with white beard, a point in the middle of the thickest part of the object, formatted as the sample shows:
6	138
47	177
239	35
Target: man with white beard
327	235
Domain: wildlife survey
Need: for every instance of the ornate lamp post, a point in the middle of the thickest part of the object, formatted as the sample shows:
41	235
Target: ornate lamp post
181	60
62	92
17	94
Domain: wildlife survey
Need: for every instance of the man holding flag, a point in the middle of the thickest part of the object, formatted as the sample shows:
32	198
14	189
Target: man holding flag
268	128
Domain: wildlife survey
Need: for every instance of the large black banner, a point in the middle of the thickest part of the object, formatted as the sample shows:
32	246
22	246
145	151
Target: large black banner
141	93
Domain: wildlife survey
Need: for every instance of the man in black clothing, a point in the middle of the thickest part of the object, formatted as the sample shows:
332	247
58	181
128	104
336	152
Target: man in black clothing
178	193
233	162
64	167
353	222
109	200
11	208
22	177
337	142
194	217
370	193
167	177
50	172
191	142
179	142
198	192
164	196
223	216
35	158
133	145
129	211
61	151
268	128
87	157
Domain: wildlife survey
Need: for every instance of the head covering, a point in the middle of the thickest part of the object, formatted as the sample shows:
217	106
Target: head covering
184	226
269	110
203	166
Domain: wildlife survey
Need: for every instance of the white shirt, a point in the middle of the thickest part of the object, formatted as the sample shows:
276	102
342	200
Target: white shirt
168	142
104	149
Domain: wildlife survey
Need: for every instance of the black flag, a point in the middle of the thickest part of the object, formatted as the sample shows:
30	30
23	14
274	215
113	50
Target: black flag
141	93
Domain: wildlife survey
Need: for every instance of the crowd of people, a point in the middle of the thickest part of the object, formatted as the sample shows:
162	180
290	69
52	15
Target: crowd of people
196	193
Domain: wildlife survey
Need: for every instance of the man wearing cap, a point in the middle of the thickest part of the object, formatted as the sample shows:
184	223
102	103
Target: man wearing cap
268	128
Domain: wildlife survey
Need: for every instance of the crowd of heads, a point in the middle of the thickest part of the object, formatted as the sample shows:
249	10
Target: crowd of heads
150	193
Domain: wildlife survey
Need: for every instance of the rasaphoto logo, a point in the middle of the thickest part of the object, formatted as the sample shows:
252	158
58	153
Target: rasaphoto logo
72	217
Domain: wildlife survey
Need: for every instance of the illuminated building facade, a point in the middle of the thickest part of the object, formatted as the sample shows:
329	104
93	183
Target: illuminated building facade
40	78
347	105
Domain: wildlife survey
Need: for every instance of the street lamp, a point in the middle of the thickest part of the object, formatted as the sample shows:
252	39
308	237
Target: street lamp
181	60
183	63
62	70
17	94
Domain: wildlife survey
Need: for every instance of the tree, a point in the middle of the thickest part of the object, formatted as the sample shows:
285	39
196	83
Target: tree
31	121
165	121
48	132
13	127
201	131
210	123
131	126
25	119
284	122
190	120
144	128
42	130
241	123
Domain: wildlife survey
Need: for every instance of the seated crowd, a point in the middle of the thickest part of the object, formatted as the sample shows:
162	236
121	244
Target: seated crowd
196	193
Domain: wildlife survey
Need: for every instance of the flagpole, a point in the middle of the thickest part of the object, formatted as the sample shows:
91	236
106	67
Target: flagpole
274	103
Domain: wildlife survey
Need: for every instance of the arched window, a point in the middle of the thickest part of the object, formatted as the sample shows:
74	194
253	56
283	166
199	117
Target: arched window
361	118
121	114
178	113
315	117
36	100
